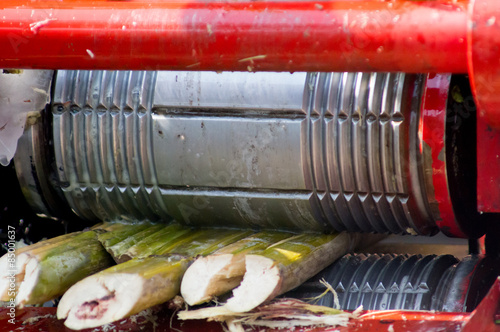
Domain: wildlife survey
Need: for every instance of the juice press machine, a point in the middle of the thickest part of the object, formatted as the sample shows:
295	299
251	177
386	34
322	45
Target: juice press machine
360	116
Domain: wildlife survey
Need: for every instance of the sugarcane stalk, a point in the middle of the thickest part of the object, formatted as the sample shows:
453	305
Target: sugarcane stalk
170	239
48	242
20	262
220	272
121	291
139	283
48	268
117	232
203	242
129	238
284	266
149	245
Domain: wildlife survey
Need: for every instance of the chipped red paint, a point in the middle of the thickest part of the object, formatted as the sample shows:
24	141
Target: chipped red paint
485	317
484	58
432	135
484	64
408	36
488	167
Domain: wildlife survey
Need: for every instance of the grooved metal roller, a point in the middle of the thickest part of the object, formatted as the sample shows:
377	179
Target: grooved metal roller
303	151
406	282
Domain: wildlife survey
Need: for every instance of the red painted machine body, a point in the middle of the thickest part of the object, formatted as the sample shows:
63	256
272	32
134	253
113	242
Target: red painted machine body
256	36
445	36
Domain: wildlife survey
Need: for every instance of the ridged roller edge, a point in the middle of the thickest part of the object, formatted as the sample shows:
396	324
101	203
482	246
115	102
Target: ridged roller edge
102	147
454	285
464	285
357	137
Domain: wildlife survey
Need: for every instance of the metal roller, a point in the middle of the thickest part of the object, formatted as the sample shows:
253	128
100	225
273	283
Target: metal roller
297	151
403	282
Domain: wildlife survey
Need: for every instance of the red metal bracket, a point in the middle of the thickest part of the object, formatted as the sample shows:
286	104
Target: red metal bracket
486	317
432	135
488	167
484	63
484	58
484	66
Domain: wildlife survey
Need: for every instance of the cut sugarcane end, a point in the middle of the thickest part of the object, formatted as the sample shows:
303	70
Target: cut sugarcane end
6	277
29	280
100	300
261	282
211	276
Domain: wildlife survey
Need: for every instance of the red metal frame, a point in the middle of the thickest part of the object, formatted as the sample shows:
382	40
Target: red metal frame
488	167
484	58
484	64
486	317
432	134
407	36
482	319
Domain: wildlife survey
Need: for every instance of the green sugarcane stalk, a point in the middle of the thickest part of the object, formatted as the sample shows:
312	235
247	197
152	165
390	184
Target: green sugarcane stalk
139	283
223	270
121	247
150	245
48	243
121	291
203	242
7	265
117	232
161	239
47	269
284	266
